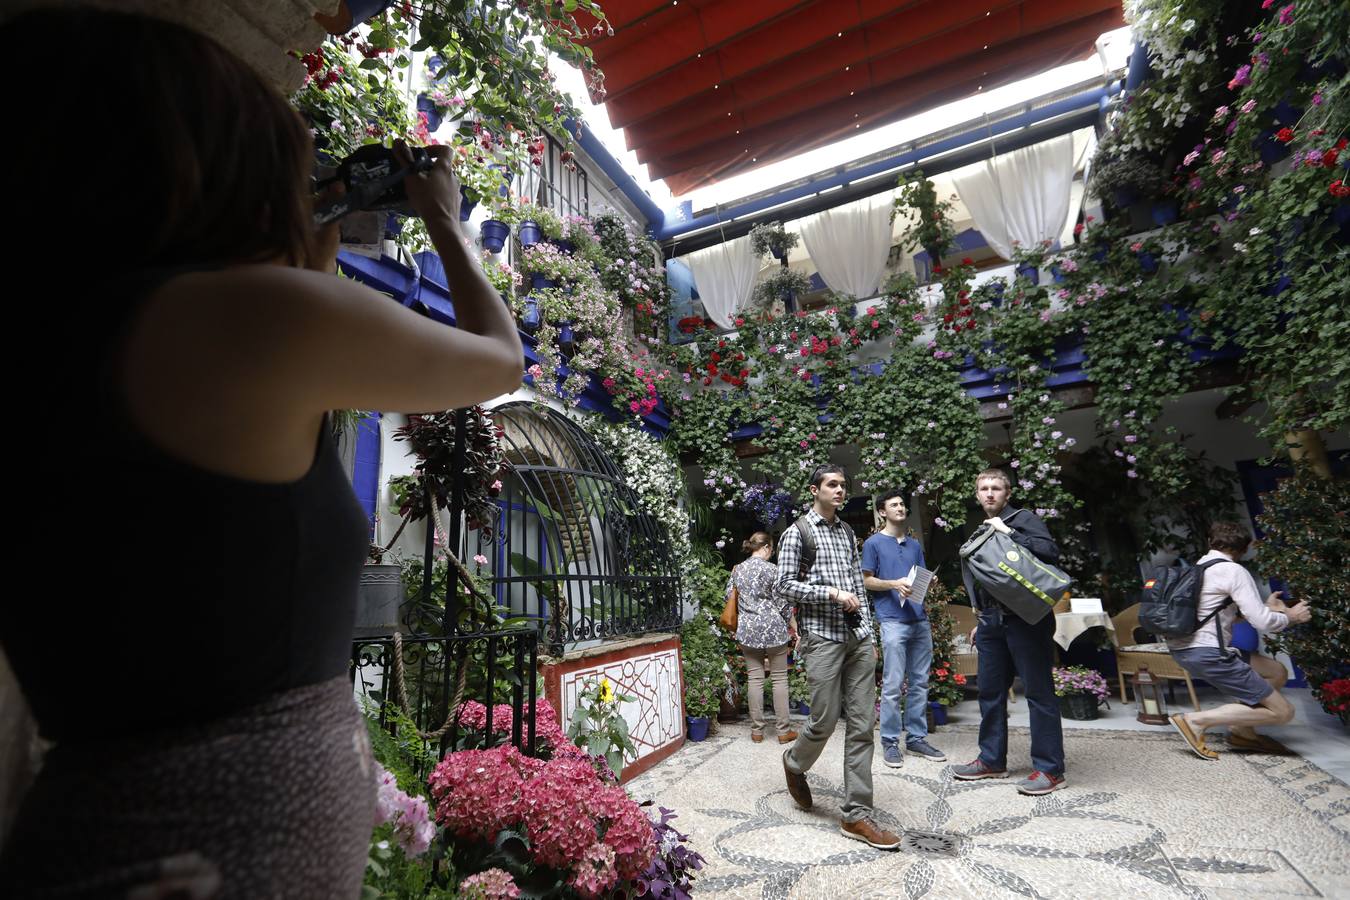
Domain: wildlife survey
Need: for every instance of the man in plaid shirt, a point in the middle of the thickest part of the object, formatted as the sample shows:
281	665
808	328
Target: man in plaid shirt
836	647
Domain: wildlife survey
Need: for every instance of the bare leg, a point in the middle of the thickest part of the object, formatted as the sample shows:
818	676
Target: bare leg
1275	675
1274	710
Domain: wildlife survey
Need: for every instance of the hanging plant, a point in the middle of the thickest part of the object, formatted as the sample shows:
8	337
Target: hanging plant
772	237
781	284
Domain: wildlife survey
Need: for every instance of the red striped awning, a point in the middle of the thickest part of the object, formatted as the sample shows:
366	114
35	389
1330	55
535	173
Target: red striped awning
706	89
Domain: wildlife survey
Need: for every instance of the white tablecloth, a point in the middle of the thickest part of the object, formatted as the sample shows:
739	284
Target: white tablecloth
1070	625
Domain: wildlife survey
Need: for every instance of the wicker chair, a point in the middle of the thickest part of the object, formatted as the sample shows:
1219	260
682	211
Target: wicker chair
1159	662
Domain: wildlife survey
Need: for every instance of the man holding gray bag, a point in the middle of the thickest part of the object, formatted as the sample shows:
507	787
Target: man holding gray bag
1008	573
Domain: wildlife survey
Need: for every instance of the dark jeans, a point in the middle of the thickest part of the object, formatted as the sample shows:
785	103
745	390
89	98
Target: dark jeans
1003	641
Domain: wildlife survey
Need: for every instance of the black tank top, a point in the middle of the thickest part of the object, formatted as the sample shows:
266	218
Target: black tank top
167	594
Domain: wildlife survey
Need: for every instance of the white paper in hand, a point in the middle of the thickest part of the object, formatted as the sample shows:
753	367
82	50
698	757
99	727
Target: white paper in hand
1085	604
919	580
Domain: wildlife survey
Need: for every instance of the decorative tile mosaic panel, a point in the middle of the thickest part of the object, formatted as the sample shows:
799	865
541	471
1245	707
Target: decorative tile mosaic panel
656	717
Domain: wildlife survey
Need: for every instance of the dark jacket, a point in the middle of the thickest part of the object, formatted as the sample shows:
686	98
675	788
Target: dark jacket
1027	530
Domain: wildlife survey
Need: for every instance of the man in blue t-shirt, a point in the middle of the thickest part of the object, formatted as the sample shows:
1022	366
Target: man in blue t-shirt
906	640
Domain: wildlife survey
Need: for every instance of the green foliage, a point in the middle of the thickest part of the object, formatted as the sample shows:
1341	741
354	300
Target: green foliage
930	227
944	685
599	728
772	237
1307	544
780	284
704	667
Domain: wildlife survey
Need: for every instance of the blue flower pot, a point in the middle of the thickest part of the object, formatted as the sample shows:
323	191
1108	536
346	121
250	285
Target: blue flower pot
995	297
1272	151
1147	262
493	235
530	320
539	282
1341	217
432	267
465	206
1100	254
1164	214
565	246
567	338
1245	637
939	712
1030	273
777	253
803	707
1286	113
529	233
1058	274
428	108
698	727
1122	198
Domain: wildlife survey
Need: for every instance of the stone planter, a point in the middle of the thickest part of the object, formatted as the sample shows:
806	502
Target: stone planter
379	600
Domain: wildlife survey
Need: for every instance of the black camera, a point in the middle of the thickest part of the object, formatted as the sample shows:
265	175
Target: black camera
374	179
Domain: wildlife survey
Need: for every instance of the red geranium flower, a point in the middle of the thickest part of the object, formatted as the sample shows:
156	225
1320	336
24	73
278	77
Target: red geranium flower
1284	135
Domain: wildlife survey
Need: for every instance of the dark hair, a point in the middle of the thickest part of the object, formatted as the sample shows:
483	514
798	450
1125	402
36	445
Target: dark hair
756	541
194	158
880	503
1229	537
818	476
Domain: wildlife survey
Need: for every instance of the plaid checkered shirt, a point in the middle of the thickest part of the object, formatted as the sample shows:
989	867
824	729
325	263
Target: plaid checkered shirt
837	565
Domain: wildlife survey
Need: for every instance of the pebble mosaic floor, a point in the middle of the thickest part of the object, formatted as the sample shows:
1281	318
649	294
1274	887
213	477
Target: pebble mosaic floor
1141	817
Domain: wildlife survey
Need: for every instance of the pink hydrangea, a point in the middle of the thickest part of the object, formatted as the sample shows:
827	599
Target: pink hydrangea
490	884
479	792
594	873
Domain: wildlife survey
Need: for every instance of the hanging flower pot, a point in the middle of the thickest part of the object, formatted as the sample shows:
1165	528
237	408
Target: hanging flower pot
505	189
529	233
465	205
539	282
563	244
1123	198
567	338
434	116
778	252
1058	274
530	320
1164	213
493	235
1271	149
996	290
1029	272
351	13
1286	113
1147	262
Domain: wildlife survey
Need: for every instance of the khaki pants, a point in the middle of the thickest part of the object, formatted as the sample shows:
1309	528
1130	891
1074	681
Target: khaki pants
774	659
840	674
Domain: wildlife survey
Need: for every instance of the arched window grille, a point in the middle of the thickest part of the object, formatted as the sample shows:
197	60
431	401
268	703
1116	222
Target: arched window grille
573	549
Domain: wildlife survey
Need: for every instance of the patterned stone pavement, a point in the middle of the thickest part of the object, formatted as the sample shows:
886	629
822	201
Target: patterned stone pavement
1141	817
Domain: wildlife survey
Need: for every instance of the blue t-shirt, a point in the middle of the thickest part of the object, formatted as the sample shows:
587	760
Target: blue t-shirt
889	558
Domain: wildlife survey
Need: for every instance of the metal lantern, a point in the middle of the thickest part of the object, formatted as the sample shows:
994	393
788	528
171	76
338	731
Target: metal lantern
1148	698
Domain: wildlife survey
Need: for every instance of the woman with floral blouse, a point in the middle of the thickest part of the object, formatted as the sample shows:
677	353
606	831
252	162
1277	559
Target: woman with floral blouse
765	630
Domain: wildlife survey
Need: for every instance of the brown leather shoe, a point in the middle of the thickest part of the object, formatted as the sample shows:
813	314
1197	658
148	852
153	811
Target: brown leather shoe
757	738
1195	741
787	738
796	785
868	832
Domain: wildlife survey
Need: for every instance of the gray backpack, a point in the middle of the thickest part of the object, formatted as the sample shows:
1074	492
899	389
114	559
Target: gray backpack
1011	574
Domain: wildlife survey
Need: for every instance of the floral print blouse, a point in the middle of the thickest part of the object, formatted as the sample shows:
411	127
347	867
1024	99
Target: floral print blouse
762	615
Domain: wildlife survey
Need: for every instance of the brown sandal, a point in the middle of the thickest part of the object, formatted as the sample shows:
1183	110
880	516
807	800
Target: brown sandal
1194	741
757	738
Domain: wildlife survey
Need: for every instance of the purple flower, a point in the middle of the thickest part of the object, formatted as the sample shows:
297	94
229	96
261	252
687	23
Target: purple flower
1241	78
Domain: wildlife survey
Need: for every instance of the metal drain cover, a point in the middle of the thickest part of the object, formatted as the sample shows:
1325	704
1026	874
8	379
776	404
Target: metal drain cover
934	843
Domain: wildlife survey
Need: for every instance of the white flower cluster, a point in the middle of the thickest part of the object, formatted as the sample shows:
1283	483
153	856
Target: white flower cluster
654	475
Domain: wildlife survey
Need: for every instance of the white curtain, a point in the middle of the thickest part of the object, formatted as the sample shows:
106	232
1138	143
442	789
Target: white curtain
1022	196
725	277
849	245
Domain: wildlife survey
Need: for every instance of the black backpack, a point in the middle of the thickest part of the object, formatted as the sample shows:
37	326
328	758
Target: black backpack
808	554
1172	598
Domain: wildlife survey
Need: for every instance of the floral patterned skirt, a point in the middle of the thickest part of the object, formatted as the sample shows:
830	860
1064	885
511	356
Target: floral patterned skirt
276	800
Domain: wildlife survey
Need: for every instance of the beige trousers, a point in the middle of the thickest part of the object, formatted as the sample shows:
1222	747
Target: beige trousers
757	660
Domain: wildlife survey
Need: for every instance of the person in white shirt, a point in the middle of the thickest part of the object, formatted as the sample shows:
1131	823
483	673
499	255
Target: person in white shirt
1226	590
